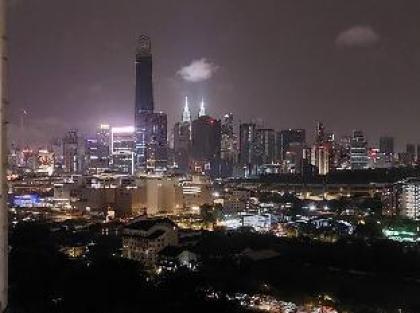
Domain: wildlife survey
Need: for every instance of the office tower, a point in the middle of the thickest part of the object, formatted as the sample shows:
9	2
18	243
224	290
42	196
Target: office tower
228	149
320	158
103	139
157	141
320	136
294	158
386	145
150	127
411	153
247	147
4	247
122	149
144	72
98	150
182	140
265	146
358	151
205	145
285	137
418	154
73	152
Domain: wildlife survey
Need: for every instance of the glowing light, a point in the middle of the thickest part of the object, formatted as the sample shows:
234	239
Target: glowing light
124	129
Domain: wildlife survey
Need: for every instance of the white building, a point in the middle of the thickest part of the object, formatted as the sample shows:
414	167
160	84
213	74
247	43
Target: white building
143	239
409	198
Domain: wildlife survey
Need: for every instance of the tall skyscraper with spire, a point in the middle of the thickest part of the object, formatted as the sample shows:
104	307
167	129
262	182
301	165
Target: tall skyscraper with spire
150	127
186	115
182	140
144	73
205	143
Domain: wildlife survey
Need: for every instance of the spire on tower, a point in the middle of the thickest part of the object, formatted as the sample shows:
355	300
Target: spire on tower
186	115
202	109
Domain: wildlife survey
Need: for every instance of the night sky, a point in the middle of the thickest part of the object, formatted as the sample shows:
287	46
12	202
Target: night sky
352	64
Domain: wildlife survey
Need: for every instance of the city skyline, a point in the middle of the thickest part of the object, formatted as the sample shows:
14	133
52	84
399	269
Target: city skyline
330	68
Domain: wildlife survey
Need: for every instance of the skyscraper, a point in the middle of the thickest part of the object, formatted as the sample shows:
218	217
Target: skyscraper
182	140
320	133
122	143
73	152
386	145
98	150
411	152
144	72
150	127
205	145
264	146
247	147
285	137
229	153
358	151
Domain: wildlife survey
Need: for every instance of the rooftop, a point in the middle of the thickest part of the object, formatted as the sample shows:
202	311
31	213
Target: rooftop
146	224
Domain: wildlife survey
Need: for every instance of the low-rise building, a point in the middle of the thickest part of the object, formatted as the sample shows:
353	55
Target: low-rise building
143	239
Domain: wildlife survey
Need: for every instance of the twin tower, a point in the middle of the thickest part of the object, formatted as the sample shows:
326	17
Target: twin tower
151	143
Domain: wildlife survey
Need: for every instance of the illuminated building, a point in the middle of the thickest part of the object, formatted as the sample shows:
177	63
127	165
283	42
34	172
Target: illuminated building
73	152
150	127
265	146
160	194
122	145
320	158
285	137
358	151
320	136
182	140
46	163
143	239
247	147
196	191
294	157
205	145
228	146
98	150
408	192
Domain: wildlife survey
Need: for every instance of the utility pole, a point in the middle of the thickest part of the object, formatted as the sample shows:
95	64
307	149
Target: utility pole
3	162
